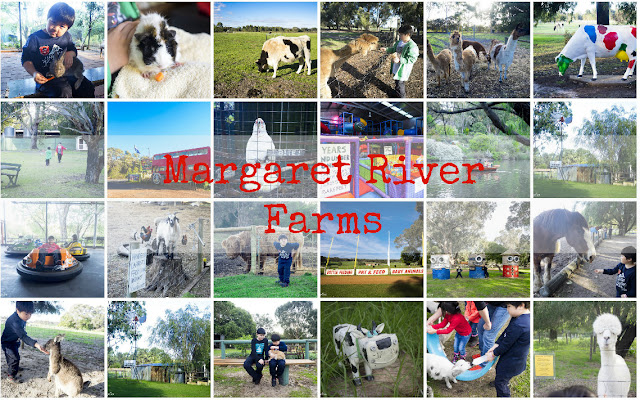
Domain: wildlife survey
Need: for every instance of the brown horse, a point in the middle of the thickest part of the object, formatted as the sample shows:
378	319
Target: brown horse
548	228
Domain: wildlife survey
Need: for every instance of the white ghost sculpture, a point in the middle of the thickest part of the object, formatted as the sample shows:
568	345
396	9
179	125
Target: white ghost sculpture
259	144
257	150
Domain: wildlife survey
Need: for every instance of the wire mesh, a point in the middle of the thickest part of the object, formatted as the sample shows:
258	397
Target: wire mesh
291	138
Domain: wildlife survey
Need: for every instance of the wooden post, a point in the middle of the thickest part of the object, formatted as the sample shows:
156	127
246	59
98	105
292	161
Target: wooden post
132	246
254	251
200	251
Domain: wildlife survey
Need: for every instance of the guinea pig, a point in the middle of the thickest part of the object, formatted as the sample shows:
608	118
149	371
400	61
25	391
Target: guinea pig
153	47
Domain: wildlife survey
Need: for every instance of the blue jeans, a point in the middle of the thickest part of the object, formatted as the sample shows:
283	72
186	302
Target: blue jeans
459	343
284	269
498	317
474	328
276	368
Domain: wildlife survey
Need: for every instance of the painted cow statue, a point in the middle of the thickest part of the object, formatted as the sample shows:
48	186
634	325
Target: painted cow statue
359	345
591	41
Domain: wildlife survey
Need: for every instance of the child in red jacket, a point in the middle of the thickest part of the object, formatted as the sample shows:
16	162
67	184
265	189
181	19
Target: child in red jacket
456	321
473	316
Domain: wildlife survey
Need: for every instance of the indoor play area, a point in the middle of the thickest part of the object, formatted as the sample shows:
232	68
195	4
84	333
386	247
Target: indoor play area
356	131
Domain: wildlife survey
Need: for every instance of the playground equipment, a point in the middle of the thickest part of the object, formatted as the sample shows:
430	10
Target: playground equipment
441	266
510	264
360	165
476	264
348	124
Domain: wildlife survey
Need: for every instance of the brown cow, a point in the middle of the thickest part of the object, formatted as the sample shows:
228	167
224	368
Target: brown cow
240	245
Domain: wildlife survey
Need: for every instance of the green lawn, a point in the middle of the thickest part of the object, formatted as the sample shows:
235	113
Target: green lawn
494	286
86	337
572	364
236	72
372	290
554	188
249	285
135	388
64	180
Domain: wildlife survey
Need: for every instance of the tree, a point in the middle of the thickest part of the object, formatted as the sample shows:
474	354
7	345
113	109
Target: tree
263	321
83	317
231	321
621	214
118	328
410	255
298	319
87	119
186	335
545	122
456	226
412	236
547	11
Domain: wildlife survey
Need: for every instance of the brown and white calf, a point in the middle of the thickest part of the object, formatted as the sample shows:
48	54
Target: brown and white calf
285	49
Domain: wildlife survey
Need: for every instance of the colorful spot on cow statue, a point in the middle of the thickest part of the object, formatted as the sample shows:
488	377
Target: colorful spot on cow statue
563	63
622	53
610	40
590	30
602	29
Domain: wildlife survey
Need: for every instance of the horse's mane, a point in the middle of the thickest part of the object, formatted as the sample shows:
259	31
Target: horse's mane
559	220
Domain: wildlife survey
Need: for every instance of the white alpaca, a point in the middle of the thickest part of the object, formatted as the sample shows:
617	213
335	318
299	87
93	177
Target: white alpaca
614	378
502	55
440	368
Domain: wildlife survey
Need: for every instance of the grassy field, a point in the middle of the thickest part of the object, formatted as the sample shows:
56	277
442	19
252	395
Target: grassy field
573	367
86	337
58	180
136	388
401	379
372	290
494	286
250	285
550	188
348	264
236	73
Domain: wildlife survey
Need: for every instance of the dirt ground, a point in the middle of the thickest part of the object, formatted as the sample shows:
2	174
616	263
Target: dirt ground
223	266
484	82
238	384
369	77
126	190
88	358
350	280
386	380
584	282
137	214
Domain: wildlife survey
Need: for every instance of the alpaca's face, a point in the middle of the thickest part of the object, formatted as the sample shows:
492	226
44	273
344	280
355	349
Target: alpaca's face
607	340
454	40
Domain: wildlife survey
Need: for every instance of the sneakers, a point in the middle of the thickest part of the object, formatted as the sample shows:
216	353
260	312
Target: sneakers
456	357
278	281
13	379
273	382
284	284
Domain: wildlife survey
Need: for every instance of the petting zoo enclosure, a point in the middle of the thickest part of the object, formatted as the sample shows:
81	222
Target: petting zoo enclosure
287	135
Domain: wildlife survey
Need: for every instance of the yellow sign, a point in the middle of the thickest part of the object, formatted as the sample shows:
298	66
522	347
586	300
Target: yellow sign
544	366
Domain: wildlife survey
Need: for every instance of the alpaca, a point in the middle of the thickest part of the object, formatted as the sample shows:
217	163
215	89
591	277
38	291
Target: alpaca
478	47
502	55
463	60
614	378
441	63
332	60
493	43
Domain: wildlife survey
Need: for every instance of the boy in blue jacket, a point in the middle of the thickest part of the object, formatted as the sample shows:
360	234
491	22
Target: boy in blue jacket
13	333
512	347
276	367
626	271
258	356
285	259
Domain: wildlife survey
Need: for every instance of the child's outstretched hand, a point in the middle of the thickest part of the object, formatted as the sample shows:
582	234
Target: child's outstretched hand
490	356
597	271
39	78
261	361
430	329
39	347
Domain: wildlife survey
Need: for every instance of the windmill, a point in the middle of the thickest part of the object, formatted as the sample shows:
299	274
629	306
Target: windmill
135	321
561	121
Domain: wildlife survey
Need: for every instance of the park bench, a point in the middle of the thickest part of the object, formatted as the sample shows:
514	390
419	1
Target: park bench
27	87
285	375
11	171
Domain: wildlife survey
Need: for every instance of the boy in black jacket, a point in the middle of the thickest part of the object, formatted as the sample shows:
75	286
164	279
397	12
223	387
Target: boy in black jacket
276	367
285	259
512	347
12	334
626	271
259	354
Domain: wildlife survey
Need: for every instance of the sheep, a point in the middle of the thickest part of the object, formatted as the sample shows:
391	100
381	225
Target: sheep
463	60
167	235
440	368
614	378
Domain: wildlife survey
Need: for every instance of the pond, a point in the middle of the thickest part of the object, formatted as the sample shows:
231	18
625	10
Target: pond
512	179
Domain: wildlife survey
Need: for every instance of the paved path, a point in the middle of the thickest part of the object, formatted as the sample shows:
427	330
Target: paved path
585	283
12	68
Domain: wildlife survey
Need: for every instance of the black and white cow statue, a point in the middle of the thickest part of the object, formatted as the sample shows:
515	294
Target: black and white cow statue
285	49
359	345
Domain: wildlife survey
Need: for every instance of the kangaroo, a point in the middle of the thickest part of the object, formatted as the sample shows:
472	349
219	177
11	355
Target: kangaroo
68	378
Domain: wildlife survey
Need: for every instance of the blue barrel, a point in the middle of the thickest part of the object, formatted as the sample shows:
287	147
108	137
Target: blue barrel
476	273
442	273
347	128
